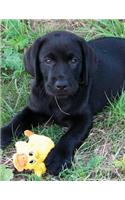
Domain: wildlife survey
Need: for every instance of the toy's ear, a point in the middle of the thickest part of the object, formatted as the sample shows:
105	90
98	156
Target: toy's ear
89	61
20	161
31	60
28	133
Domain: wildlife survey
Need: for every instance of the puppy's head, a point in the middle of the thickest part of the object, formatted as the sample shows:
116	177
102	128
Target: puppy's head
62	61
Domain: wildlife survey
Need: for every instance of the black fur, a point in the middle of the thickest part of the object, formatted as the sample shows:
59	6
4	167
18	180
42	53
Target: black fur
73	80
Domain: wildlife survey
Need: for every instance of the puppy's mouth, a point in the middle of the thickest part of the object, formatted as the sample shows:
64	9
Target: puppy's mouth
60	94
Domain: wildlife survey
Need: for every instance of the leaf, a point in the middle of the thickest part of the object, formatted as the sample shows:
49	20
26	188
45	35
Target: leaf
11	59
120	163
34	177
6	174
18	43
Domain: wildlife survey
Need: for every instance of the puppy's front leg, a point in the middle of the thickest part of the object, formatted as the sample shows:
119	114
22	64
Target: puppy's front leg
63	152
26	119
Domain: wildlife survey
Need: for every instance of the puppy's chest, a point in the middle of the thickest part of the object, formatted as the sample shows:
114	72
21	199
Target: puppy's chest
49	106
39	103
61	112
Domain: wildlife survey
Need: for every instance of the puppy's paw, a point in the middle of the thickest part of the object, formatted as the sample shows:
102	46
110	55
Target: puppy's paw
5	137
55	161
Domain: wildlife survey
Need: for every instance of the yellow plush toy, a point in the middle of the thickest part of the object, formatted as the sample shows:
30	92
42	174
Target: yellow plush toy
31	155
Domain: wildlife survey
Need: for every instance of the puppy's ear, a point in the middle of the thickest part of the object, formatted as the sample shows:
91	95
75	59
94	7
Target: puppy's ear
89	62
31	60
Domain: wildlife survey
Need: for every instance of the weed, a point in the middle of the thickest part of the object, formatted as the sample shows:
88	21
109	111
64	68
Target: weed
102	28
6	174
81	170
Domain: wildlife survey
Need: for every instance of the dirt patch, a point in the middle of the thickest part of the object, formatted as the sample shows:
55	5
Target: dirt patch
58	24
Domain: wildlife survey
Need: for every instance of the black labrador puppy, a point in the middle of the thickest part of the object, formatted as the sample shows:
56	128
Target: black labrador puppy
73	80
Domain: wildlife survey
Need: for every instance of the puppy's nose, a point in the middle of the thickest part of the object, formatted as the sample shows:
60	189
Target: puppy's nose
61	85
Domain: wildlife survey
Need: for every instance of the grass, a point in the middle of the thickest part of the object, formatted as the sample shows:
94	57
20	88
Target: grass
94	160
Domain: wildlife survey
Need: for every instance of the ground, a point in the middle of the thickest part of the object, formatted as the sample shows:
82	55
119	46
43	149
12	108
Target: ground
95	159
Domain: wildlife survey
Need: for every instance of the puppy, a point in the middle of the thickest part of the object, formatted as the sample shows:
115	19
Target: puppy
72	81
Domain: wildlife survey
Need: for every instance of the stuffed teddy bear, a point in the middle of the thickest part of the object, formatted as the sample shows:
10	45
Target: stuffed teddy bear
31	155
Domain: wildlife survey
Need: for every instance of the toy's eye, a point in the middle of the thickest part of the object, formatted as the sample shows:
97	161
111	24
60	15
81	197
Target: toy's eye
30	153
32	161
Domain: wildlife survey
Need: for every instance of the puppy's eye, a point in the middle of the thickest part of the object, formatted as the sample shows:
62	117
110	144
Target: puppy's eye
48	60
74	60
